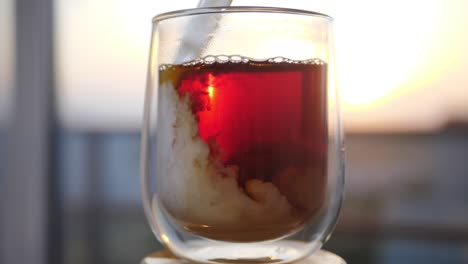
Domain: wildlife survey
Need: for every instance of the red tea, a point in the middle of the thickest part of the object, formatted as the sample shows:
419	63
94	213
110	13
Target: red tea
263	125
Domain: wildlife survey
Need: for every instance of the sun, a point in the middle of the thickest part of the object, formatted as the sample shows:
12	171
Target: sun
378	54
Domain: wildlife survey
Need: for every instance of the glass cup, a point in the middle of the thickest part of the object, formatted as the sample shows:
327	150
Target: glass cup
242	157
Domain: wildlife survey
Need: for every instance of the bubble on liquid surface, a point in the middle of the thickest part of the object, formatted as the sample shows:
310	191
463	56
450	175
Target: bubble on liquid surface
235	59
276	60
222	59
209	59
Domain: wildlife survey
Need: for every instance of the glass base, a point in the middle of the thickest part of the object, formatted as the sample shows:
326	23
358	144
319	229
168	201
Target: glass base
319	257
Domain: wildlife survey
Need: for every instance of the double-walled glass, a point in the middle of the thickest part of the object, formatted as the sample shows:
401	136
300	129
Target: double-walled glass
241	146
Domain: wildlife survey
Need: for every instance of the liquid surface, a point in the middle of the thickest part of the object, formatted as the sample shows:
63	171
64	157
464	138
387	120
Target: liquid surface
247	141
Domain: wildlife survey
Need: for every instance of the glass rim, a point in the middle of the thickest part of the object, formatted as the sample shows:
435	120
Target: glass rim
236	9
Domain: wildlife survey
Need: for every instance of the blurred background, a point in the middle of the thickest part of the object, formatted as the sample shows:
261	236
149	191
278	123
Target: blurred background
72	80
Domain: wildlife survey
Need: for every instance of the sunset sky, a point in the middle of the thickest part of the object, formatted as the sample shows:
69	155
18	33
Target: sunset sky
401	65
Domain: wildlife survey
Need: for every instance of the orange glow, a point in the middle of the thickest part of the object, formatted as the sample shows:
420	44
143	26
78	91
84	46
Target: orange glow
210	91
211	87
